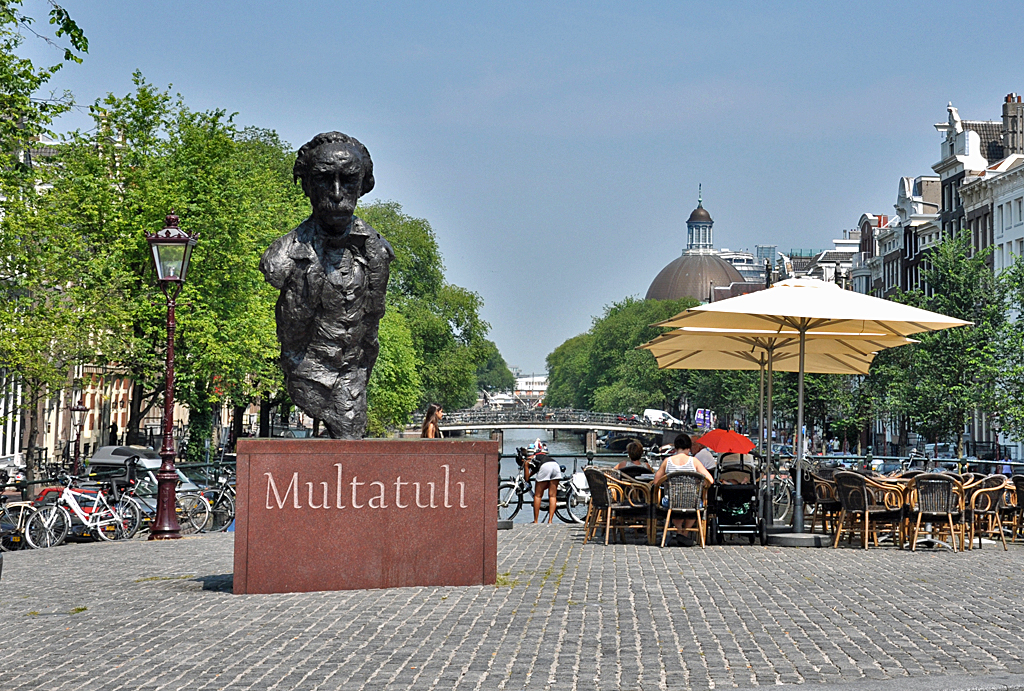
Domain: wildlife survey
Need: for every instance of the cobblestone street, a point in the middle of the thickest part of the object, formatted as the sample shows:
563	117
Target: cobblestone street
143	615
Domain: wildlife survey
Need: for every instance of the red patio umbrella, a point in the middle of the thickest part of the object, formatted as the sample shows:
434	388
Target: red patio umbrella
726	441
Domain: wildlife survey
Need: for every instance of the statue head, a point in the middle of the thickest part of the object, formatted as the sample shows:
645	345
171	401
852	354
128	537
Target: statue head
335	170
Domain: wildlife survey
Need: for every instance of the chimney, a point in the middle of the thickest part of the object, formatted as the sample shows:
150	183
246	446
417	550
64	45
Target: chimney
1013	125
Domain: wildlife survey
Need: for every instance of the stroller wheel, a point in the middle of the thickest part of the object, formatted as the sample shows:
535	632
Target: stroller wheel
714	536
762	532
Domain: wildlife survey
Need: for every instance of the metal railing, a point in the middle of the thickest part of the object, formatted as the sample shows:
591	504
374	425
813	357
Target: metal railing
536	416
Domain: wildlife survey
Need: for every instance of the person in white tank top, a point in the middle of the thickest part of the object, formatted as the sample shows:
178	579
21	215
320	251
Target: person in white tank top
682	460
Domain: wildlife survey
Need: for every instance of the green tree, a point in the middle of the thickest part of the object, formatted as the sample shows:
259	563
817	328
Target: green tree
395	388
444	319
150	154
493	374
1011	381
27	113
956	371
602	370
43	303
567	365
732	394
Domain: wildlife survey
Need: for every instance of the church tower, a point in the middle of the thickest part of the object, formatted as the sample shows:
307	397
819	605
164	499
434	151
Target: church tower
699	235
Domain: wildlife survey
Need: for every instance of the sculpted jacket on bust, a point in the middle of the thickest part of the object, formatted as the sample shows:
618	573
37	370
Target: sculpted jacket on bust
331	302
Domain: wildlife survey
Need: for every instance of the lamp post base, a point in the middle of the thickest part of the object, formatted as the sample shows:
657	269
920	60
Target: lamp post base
165	527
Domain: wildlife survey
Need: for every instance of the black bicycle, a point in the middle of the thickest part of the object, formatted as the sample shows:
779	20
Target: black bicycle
221	498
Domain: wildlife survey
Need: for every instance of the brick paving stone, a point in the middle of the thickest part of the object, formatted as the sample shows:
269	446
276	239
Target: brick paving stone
161	616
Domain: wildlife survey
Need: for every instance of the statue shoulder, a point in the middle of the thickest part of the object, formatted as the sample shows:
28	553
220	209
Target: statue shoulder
376	244
283	255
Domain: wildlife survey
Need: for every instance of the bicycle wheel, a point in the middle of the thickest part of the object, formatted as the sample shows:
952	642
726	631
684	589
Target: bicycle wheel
13	520
510	502
131	512
573	509
781	500
193	513
47	527
222	513
121	521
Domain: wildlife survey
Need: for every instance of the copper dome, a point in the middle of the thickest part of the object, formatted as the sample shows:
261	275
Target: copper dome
692	275
699	215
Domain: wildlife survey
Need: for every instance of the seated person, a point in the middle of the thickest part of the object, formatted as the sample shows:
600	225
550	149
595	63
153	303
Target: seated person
681	460
705	455
633	465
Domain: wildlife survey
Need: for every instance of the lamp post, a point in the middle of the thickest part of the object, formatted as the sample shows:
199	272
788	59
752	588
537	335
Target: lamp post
78	412
172	250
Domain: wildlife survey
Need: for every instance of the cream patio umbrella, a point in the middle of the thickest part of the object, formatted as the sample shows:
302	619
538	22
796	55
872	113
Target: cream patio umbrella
825	353
800	308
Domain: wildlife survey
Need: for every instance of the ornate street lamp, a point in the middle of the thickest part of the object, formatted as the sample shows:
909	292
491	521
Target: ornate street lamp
172	250
78	412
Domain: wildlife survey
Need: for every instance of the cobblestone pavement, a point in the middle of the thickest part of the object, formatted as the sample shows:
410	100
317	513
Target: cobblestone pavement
149	615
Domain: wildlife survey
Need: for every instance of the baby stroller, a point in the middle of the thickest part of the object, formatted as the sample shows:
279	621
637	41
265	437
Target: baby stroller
734	500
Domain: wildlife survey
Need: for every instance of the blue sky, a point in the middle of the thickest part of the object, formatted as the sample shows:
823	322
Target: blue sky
556	148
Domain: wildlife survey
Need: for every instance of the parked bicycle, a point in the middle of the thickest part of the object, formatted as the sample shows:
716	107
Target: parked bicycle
573	496
782	488
14	517
99	514
221	499
191	508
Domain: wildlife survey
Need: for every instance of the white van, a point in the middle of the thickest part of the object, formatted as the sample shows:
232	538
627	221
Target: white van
660	417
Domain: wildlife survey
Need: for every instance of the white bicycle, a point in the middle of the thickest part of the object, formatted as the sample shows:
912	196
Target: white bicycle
50	524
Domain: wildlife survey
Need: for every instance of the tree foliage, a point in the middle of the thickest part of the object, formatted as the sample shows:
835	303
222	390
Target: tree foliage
395	387
26	112
956	371
602	370
150	154
493	374
443	319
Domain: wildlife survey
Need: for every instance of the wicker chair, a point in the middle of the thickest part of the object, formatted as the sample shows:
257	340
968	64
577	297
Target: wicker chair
598	483
932	498
868	502
687	496
1018	516
826	503
826	472
982	511
619	503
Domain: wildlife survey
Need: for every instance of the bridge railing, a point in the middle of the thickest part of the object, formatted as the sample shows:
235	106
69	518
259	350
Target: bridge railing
543	415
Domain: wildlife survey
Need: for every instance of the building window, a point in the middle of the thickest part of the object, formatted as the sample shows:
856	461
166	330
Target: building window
1020	211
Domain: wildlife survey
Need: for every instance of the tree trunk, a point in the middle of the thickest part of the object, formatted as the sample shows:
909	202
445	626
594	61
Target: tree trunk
200	432
265	406
32	439
138	407
237	414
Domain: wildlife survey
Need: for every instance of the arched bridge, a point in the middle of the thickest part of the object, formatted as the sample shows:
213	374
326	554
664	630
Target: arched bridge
546	418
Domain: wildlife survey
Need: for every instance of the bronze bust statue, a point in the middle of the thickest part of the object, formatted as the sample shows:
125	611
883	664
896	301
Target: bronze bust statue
332	272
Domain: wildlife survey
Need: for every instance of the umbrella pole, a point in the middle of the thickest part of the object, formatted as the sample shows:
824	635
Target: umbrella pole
798	500
770	511
760	414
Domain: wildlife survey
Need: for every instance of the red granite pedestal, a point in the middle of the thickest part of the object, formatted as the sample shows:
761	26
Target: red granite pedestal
332	514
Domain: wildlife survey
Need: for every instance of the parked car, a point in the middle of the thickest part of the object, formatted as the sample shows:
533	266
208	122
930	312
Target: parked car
109	462
297	433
